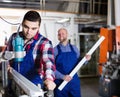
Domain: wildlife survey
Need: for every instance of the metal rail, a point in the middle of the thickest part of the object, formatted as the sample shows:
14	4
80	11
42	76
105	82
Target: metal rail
27	86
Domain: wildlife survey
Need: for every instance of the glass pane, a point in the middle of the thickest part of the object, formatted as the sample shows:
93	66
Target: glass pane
86	43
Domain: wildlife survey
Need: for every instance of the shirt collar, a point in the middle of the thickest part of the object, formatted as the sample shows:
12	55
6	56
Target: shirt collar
37	36
64	45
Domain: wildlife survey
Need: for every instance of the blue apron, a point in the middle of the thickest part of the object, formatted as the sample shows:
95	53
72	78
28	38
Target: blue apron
28	68
65	62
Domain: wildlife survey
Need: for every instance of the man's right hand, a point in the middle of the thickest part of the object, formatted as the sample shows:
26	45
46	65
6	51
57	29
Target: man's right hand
67	78
50	85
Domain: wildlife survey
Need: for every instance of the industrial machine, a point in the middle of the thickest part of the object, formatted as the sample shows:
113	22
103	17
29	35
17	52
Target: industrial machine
109	60
21	86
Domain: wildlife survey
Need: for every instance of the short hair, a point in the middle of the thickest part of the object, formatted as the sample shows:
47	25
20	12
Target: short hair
62	29
32	16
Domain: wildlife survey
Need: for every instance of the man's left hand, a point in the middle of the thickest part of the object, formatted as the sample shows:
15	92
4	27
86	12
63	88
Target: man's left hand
50	85
88	57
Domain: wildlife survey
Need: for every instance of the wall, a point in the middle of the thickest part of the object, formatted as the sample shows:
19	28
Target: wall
49	24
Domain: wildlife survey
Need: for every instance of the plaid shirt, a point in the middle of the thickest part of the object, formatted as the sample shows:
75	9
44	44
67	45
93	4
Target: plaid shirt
42	53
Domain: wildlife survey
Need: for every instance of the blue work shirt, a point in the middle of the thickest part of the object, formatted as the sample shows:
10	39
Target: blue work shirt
64	48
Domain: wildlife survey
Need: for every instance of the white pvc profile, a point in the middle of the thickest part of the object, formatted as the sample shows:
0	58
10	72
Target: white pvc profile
29	88
74	71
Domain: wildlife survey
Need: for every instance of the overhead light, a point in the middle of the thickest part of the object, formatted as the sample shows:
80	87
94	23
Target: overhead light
6	0
64	20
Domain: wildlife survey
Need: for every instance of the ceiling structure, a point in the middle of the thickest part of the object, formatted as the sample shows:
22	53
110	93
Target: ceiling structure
54	5
79	7
75	6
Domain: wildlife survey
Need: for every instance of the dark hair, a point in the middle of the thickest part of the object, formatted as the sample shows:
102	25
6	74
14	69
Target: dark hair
32	16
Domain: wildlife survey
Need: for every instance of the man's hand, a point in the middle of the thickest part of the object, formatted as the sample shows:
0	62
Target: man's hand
9	69
50	85
88	57
67	78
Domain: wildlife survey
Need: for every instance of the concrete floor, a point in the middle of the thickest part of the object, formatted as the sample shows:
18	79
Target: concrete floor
90	87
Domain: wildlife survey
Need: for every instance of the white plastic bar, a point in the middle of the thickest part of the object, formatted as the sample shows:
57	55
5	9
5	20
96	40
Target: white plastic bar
117	12
29	88
74	71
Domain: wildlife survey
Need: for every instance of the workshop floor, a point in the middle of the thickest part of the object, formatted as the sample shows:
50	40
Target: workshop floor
90	87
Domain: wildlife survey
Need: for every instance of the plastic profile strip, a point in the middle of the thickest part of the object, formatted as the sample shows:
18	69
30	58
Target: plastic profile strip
29	88
90	52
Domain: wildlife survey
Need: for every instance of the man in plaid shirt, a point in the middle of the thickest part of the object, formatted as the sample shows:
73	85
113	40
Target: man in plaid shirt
38	64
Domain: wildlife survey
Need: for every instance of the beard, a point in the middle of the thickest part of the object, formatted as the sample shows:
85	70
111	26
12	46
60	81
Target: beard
63	40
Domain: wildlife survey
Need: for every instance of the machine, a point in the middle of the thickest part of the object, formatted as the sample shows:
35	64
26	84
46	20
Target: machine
21	86
109	60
